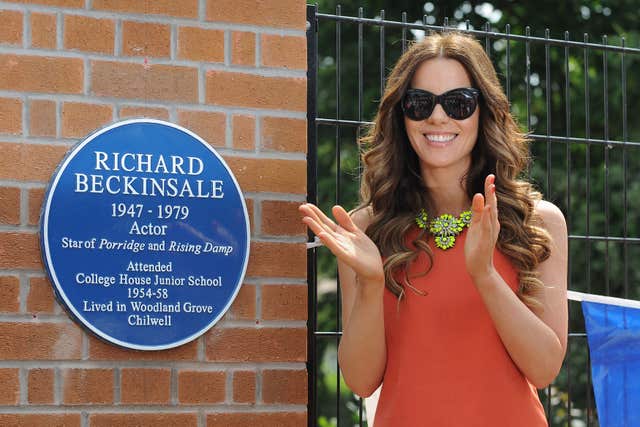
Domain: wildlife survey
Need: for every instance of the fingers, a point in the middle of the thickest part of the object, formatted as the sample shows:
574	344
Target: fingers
314	226
332	240
319	229
314	223
312	211
488	188
477	203
488	181
343	218
477	208
482	212
490	196
494	204
336	245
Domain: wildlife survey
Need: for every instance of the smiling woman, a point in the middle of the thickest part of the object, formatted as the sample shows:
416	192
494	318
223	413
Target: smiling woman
452	269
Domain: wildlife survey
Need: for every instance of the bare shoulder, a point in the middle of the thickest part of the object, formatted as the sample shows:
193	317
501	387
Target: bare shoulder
553	219
362	217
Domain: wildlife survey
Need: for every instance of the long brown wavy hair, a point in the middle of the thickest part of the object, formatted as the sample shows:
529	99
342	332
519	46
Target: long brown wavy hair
393	190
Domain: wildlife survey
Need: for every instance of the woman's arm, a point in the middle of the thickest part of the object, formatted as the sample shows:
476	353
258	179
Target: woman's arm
362	350
536	343
362	353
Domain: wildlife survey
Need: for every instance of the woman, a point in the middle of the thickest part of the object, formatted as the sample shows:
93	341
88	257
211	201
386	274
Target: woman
460	315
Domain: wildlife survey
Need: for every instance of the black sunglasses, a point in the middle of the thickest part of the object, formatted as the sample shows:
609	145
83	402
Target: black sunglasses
459	103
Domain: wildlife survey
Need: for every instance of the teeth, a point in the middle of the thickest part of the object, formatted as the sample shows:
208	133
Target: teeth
440	138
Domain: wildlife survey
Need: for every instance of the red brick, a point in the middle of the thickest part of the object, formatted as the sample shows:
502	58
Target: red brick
244	306
243	48
99	350
283	134
20	250
146	39
244	131
277	260
284	386
249	204
244	387
185	8
284	302
43	30
9	294
41	159
10	116
144	420
11	28
199	44
89	34
270	175
209	126
36	196
41	383
87	386
146	112
248	90
80	119
196	387
284	51
282	218
10	390
256	345
40	420
41	74
58	3
281	14
160	82
9	205
41	298
40	341
145	386
257	419
42	118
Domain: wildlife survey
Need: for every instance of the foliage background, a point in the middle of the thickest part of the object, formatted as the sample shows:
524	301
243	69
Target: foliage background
598	193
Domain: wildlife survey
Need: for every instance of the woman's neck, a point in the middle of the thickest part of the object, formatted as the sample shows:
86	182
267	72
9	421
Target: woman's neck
446	191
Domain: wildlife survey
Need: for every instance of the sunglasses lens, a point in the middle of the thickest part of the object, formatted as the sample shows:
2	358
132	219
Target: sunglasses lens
417	106
459	105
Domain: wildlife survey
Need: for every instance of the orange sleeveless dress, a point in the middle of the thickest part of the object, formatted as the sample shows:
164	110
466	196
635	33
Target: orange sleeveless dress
446	365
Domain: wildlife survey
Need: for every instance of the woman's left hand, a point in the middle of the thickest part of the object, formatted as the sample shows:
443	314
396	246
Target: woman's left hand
483	231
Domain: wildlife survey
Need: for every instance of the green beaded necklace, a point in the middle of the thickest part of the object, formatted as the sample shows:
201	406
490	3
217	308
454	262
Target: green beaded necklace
444	228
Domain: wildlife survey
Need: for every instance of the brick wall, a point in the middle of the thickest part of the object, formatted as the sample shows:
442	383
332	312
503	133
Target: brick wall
232	71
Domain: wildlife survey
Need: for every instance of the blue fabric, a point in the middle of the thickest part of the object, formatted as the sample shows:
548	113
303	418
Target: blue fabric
613	333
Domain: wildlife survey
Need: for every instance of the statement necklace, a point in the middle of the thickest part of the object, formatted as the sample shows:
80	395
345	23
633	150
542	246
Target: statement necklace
444	228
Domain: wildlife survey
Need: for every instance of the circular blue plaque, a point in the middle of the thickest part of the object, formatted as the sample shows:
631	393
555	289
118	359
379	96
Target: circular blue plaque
145	234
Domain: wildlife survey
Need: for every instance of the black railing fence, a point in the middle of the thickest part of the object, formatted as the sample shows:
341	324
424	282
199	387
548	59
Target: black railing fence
574	97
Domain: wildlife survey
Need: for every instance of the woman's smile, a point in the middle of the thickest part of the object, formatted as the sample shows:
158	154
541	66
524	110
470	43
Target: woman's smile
440	139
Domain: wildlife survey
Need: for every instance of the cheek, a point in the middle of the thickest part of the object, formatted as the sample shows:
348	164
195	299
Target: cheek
471	125
409	126
411	130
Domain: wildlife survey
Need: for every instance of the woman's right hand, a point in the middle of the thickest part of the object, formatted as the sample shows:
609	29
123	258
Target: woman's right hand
346	241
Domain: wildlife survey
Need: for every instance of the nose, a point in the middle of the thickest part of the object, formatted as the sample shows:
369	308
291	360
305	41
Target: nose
438	115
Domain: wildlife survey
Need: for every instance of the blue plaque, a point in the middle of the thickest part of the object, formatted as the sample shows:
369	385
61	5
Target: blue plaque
145	234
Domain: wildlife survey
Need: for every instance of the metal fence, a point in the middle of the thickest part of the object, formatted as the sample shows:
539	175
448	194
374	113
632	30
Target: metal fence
572	96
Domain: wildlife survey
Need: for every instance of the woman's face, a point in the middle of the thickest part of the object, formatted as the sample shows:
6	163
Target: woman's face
440	141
